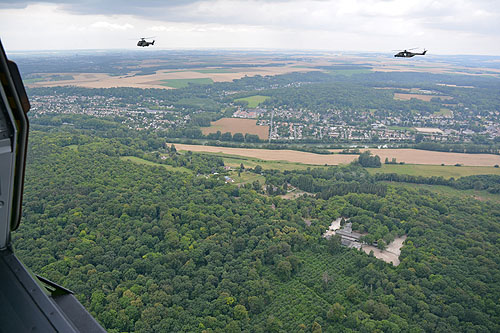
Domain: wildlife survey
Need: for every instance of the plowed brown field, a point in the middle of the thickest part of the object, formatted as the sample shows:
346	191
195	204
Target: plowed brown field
238	125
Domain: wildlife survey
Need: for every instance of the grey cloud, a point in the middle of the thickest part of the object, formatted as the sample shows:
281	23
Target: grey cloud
146	8
126	7
294	14
108	7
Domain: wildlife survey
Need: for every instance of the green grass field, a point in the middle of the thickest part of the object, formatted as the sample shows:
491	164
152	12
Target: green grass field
446	171
234	161
215	70
246	177
450	191
253	101
29	81
146	162
400	128
444	112
183	83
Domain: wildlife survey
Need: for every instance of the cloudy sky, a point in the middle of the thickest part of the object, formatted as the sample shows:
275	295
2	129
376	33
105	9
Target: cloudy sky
442	26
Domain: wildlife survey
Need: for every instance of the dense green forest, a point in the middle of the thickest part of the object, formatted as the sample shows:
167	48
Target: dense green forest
151	249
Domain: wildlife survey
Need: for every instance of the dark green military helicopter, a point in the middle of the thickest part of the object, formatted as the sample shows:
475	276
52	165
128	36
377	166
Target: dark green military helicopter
408	54
143	43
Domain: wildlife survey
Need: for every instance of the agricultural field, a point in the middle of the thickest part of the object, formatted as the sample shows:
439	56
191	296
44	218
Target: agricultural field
246	177
31	81
158	78
292	156
453	192
444	113
216	70
446	171
417	156
183	83
426	98
234	161
237	125
409	156
401	128
253	101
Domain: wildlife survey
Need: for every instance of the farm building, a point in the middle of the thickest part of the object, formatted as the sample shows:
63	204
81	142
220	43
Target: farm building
348	237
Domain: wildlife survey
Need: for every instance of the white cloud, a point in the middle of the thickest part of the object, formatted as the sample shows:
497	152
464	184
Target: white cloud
443	26
111	26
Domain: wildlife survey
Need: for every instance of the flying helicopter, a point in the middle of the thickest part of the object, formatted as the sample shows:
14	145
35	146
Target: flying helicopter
408	54
144	43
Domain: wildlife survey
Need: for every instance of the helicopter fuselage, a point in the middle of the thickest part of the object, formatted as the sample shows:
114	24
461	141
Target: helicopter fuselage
144	43
407	54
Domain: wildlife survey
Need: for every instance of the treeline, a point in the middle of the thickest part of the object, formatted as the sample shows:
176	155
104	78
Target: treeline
459	148
324	182
367	160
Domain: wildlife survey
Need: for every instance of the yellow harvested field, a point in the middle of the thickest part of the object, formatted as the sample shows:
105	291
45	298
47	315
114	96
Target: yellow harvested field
102	80
273	155
426	98
409	156
237	125
417	156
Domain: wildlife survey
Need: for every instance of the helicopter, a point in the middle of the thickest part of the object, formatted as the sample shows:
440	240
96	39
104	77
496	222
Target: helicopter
144	43
408	54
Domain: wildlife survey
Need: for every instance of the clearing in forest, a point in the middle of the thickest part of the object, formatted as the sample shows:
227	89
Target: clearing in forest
390	254
237	125
138	160
426	98
253	101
